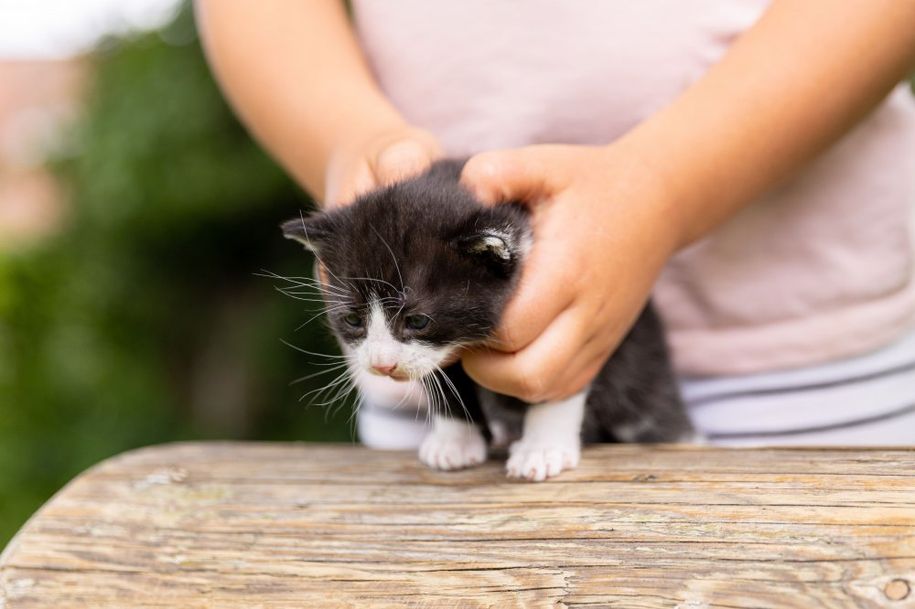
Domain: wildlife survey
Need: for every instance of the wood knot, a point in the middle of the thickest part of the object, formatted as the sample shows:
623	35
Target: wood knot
897	590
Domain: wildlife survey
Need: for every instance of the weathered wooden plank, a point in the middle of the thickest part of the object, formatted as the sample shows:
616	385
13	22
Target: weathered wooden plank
272	525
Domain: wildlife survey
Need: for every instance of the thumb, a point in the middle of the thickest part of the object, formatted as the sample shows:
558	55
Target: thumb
519	174
403	156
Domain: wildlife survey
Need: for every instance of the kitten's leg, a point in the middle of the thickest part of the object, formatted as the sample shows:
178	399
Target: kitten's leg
551	441
453	444
455	441
504	416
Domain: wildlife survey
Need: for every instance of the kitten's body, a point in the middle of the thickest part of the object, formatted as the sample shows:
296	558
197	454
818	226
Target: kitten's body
419	270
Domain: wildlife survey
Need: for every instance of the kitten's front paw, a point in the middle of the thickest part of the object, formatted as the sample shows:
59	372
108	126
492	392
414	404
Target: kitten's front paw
447	450
537	461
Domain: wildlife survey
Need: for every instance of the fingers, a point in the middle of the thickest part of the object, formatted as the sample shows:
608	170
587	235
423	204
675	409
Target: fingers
400	160
403	155
532	374
530	175
344	190
385	159
522	174
536	301
547	370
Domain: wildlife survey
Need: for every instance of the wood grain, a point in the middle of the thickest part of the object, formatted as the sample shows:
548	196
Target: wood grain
282	525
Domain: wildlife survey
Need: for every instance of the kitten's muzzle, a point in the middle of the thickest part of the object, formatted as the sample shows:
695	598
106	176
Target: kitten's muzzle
384	370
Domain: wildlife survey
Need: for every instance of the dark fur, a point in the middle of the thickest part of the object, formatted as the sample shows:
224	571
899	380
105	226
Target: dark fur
430	225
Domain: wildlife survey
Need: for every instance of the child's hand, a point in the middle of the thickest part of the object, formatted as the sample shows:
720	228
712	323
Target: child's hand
604	226
383	158
602	233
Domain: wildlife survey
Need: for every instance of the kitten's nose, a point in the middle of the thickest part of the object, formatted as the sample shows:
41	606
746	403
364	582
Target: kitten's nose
385	370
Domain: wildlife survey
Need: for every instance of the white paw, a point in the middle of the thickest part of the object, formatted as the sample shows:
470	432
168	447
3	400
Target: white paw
451	448
538	461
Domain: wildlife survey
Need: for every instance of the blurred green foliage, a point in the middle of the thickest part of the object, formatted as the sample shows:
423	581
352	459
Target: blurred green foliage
143	321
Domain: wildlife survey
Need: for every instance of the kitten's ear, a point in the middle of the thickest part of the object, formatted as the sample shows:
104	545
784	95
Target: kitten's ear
311	231
496	248
488	243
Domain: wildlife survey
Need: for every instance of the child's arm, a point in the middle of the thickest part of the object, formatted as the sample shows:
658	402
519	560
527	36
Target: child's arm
295	75
607	219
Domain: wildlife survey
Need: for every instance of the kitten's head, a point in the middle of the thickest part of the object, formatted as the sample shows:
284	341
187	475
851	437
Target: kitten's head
415	271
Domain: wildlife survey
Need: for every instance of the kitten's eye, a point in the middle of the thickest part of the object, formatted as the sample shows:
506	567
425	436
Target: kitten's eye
417	322
353	319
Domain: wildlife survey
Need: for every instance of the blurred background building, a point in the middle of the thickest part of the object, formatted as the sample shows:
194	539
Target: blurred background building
135	216
37	97
44	66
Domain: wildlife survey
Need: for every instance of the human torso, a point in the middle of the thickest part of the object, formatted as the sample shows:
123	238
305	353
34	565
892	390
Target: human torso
819	268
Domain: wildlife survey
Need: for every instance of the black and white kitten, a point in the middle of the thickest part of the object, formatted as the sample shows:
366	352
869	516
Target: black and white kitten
415	272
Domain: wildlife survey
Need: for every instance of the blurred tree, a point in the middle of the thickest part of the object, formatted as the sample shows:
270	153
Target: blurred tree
143	321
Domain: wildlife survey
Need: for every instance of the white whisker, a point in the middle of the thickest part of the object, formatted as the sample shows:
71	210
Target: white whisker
456	393
301	350
330	368
394	258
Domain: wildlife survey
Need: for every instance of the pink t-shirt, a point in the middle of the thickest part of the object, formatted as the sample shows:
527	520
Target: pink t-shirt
820	268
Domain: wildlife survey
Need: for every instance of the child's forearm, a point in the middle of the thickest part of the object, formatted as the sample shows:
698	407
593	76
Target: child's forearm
295	75
790	87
